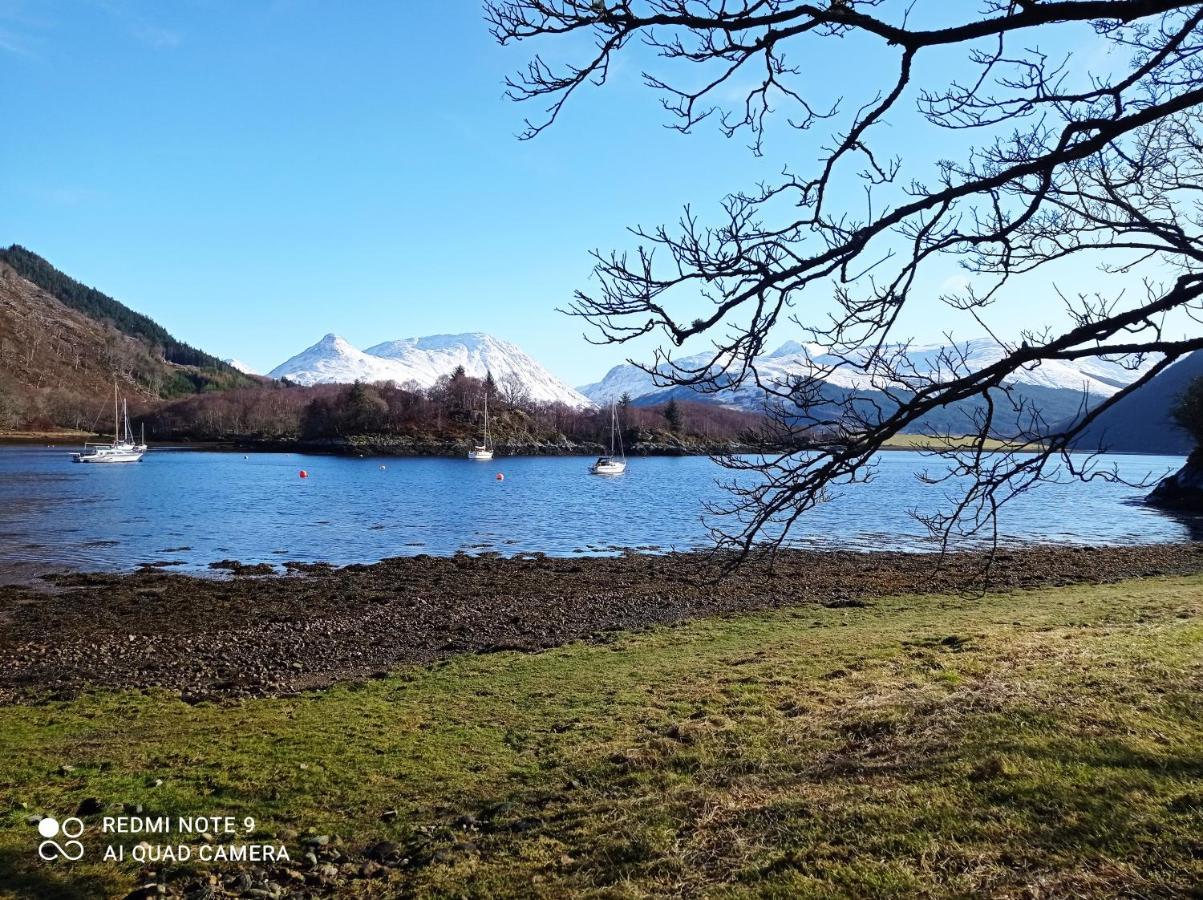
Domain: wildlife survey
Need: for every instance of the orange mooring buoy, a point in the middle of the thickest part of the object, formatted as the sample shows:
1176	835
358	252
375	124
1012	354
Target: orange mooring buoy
303	473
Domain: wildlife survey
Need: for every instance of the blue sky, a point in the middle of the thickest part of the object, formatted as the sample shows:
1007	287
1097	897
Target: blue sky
256	174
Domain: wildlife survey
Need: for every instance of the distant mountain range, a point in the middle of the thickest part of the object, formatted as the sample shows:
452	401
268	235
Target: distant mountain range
1056	388
793	359
61	342
424	360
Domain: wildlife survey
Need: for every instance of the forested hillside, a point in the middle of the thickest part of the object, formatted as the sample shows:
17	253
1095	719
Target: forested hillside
62	345
103	308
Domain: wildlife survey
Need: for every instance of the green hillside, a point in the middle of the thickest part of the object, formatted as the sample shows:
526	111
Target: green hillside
63	344
102	307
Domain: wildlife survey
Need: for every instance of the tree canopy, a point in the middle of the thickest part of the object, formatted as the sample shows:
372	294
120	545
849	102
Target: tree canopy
102	307
1188	411
1030	159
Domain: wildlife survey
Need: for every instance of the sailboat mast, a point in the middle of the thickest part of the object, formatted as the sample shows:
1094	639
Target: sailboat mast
116	423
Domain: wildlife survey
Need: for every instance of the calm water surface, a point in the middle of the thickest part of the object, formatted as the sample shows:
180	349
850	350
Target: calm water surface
197	507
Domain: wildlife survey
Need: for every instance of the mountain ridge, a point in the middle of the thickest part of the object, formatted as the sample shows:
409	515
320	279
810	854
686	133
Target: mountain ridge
423	360
793	358
56	362
1056	388
100	307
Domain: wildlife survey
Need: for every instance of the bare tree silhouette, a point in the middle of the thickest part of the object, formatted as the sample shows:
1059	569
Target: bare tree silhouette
1061	163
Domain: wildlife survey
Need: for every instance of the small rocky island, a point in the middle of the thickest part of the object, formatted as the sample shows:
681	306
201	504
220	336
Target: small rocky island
1182	491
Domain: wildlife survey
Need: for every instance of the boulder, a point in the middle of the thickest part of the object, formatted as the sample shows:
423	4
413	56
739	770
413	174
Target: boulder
1183	490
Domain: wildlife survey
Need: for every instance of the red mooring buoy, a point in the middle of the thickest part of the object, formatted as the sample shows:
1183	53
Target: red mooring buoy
500	477
303	473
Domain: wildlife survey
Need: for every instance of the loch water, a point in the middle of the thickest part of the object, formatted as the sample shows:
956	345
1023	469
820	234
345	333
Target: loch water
190	508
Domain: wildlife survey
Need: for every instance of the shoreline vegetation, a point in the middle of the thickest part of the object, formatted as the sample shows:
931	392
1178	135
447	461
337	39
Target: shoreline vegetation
370	445
854	724
386	419
444	419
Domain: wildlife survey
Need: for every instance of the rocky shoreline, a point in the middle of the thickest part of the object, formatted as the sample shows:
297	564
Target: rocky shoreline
408	446
259	636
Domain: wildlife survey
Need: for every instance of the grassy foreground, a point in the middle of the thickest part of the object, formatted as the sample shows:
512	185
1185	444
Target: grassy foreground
1036	743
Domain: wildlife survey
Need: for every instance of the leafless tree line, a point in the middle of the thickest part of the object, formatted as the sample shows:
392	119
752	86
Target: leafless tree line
449	410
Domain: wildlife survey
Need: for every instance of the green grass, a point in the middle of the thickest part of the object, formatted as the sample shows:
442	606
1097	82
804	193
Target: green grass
1048	739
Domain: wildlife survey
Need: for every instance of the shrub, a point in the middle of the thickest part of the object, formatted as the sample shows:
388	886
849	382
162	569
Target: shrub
1188	411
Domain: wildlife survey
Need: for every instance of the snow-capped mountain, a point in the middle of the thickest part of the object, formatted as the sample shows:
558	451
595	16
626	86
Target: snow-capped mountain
334	361
1099	378
429	357
424	360
240	366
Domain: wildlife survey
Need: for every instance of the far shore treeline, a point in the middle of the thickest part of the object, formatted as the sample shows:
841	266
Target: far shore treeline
444	416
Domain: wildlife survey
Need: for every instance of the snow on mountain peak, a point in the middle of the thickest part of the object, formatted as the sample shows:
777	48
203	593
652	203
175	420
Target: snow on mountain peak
333	359
424	360
240	366
1099	377
794	348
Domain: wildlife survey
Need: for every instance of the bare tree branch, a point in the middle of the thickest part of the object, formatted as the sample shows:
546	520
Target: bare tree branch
1059	164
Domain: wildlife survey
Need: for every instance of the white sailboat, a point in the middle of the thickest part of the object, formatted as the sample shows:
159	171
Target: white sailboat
123	449
483	451
615	463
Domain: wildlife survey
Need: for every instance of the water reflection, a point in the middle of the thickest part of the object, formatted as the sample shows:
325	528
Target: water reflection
187	508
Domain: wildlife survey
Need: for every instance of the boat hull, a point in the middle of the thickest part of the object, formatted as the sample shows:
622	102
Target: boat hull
124	456
610	468
480	455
